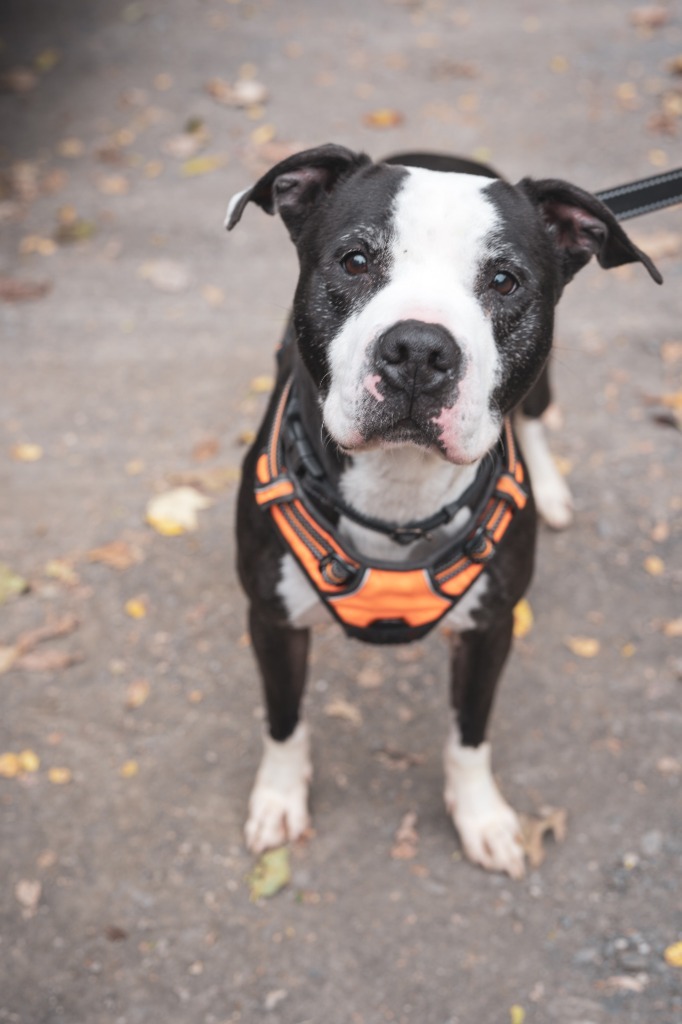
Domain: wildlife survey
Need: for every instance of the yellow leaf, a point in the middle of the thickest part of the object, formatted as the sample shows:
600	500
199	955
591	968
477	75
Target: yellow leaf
271	873
384	117
627	650
341	708
27	452
202	165
175	512
46	60
60	776
137	693
517	1014
559	65
246	436
10	583
62	570
135	608
128	769
264	133
673	955
262	385
29	761
10	765
673	628
71	148
583	646
672	400
654	565
523	619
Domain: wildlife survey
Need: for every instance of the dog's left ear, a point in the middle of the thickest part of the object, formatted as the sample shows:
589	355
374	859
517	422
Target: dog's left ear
294	186
581	226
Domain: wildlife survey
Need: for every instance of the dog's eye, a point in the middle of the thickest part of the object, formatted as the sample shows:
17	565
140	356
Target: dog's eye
504	283
355	263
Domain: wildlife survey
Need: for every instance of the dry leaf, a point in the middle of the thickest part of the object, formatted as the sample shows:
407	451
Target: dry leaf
271	872
8	656
14	289
137	693
46	60
29	761
517	1014
27	892
19	80
48	659
203	165
49	631
384	117
60	776
214	295
206	449
184	145
211	480
246	92
263	134
118	554
673	954
341	708
36	244
166	275
671	352
135	608
78	230
406	838
61	569
370	677
246	436
129	769
533	831
583	646
649	16
114	185
262	385
624	983
11	583
673	628
654	565
175	512
523	619
27	452
10	765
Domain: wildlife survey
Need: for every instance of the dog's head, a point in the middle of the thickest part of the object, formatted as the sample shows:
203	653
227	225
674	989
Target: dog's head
425	304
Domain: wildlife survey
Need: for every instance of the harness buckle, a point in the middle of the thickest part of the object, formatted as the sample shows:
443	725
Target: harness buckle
336	571
479	547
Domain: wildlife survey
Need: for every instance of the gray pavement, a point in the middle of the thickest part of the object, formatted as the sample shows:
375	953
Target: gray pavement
124	897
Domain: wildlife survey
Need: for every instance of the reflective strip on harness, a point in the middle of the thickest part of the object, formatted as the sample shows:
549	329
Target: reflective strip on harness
377	602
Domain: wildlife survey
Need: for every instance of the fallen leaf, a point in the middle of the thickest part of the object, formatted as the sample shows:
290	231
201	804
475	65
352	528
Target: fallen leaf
163	81
624	983
533	831
673	954
669	766
583	646
129	769
673	628
206	449
49	631
671	352
654	565
175	512
29	761
370	677
36	244
406	838
19	80
203	165
60	776
61	569
246	92
384	117
114	185
270	874
10	765
246	436
46	60
341	708
166	275
517	1014
523	619
48	659
184	145
28	892
11	583
71	147
137	693
649	16
211	480
135	608
675	65
27	452
15	289
8	656
559	65
118	554
261	385
78	230
263	134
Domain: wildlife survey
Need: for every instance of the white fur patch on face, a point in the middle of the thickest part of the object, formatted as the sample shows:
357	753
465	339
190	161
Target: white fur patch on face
278	808
488	827
439	235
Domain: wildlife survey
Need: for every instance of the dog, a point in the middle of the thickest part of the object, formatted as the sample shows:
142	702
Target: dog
385	488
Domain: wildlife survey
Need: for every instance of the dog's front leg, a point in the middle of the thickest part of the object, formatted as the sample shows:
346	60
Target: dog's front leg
278	807
488	827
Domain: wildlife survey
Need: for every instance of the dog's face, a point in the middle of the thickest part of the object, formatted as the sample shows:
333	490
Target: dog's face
424	308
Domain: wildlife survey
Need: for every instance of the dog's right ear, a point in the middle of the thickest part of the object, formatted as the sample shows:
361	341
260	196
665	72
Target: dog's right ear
293	187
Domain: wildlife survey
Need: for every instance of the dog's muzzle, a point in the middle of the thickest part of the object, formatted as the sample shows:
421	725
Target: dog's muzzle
418	358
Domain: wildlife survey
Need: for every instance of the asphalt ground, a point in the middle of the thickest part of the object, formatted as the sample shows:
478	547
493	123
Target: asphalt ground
135	336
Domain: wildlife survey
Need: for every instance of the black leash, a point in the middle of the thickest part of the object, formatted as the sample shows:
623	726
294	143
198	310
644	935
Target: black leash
644	196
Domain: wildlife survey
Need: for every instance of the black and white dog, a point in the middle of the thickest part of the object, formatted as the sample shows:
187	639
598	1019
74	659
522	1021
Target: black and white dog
422	318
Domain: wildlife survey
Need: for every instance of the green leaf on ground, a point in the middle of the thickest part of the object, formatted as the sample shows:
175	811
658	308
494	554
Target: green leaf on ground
271	872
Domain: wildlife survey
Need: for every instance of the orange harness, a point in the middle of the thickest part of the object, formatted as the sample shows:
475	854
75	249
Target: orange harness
385	602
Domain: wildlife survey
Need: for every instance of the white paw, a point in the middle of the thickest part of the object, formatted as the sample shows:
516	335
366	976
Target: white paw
278	807
554	500
488	827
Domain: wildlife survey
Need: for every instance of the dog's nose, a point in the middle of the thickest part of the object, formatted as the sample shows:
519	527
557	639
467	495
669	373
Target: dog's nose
418	357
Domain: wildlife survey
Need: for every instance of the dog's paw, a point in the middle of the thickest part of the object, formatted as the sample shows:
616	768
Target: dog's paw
278	807
554	500
489	829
